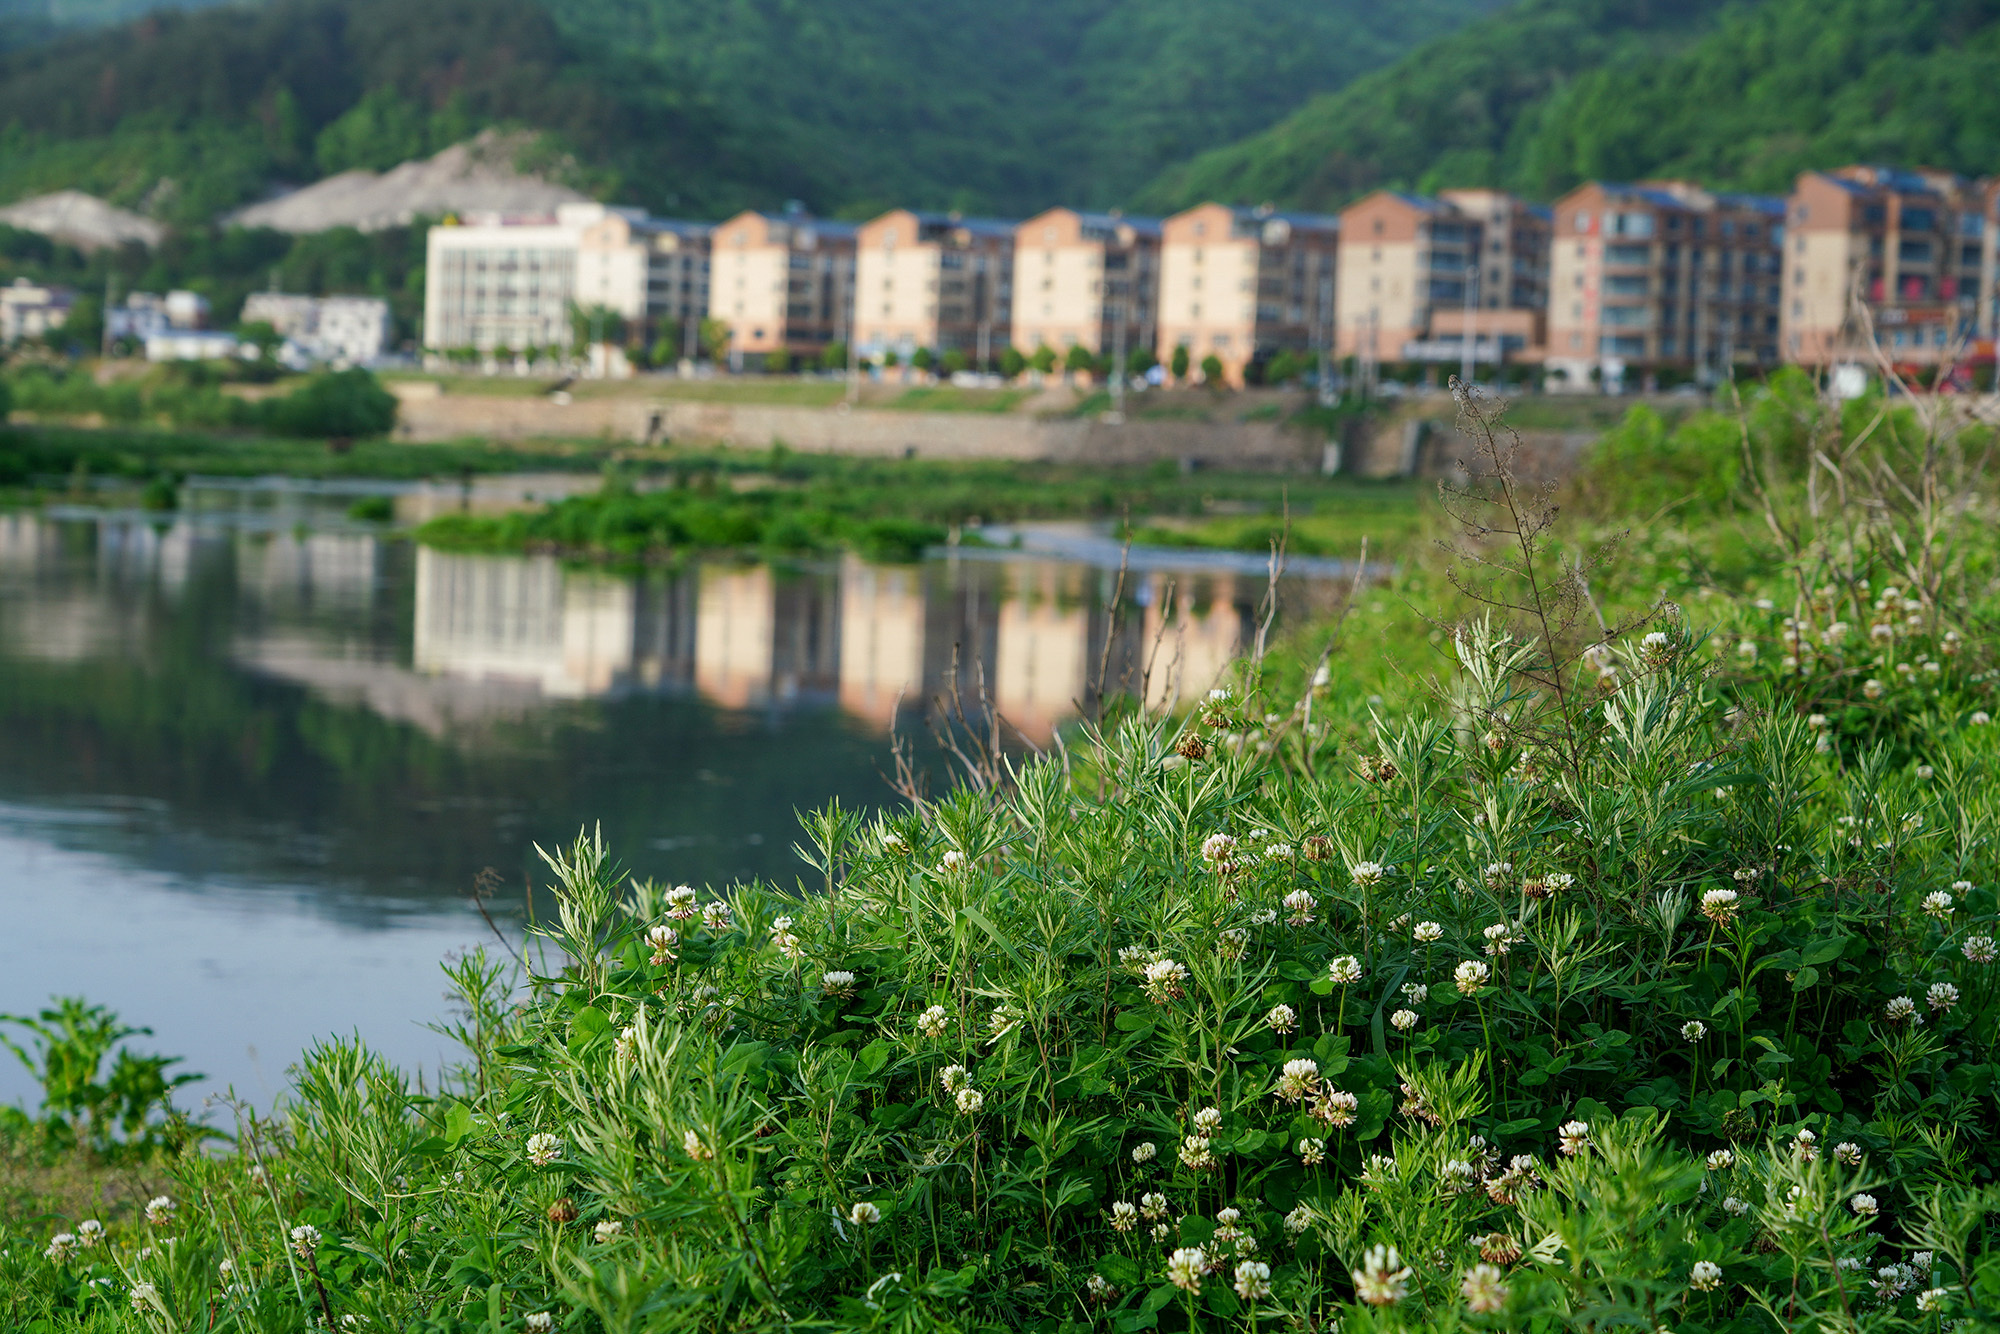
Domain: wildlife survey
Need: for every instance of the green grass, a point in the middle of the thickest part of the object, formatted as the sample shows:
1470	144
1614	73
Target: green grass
952	398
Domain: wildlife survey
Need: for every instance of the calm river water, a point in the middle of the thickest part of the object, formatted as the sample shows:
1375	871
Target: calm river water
252	756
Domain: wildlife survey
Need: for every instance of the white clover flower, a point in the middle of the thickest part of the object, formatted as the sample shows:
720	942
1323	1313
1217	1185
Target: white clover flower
1218	849
625	1046
1312	1152
1980	718
788	943
954	1078
1923	1260
1734	1207
1233	943
1960	886
691	1143
1145	1153
1872	688
1848	1152
837	982
1163	980
864	1214
89	1232
716	916
544	1149
1499	939
146	1297
662	939
62	1246
1365	874
1403	1020
1416	993
1338	1108
1575	1137
1864	1206
541	1322
1383	1279
1694	1030
894	843
1899	1009
970	1101
680	903
1484	1290
1427	933
1980	949
1299	904
1153	1205
1471	976
305	1240
1721	1160
1209	1118
1719	906
1298	1079
1925	773
1100	1288
1195	1153
1747	650
1124	1215
608	1230
1941	996
1253	1280
951	863
1933	1299
1806	1145
160	1210
1938	904
933	1022
1705	1276
1345	970
1298	1220
1280	852
1282	1018
1185	1268
1161	1231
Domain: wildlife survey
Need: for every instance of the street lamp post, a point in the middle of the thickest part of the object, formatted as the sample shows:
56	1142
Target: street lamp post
1468	334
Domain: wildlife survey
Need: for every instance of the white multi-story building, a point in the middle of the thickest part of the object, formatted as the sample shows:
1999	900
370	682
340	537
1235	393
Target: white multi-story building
29	310
344	330
512	282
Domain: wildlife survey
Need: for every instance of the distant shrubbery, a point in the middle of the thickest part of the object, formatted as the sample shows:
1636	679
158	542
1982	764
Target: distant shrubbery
350	404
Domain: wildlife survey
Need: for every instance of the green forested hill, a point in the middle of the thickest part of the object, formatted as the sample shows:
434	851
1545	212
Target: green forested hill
1553	92
688	105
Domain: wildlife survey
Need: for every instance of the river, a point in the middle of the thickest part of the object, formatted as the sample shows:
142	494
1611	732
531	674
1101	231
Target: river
254	755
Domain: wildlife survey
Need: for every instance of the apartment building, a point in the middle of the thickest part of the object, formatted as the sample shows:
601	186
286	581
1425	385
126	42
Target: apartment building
501	281
1417	274
1662	275
782	281
1908	255
1089	280
934	280
1241	284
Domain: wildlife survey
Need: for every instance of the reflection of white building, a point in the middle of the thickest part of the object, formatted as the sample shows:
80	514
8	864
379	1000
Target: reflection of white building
735	616
316	570
1192	649
515	618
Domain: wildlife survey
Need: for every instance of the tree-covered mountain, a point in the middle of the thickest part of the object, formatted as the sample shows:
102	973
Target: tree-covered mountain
1553	92
684	105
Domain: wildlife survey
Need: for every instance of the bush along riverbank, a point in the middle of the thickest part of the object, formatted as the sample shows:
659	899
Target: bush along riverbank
1622	976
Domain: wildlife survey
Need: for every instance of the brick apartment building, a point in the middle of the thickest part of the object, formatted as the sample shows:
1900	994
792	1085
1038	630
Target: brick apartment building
1415	270
1089	280
933	280
1663	275
1909	254
1242	284
499	281
782	281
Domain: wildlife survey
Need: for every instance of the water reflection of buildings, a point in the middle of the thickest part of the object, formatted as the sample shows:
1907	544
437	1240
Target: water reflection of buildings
1031	635
492	634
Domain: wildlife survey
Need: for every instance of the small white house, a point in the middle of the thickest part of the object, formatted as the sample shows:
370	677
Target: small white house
192	345
343	330
29	310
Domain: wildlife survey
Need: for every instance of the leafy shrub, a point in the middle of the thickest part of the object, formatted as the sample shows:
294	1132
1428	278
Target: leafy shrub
349	404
